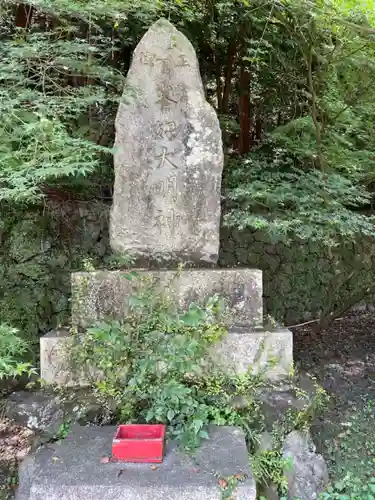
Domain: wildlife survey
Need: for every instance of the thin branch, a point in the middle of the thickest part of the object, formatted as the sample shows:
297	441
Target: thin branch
313	107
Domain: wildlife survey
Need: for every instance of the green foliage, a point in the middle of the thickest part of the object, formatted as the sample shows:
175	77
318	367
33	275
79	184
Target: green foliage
309	176
271	194
63	431
351	455
269	469
351	487
13	352
47	128
155	366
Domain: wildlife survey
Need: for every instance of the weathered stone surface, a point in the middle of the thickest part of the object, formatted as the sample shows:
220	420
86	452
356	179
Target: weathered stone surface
104	294
169	158
72	470
40	412
255	352
54	366
308	474
269	353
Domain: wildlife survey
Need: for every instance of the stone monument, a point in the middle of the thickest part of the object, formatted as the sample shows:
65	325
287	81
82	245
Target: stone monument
166	210
168	156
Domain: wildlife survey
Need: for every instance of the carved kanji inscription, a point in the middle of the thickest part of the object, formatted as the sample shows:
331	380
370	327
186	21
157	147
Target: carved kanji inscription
165	187
170	220
165	157
173	59
182	60
165	101
167	130
168	157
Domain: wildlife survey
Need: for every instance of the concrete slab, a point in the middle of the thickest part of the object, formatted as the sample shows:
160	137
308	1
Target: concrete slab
266	352
104	294
72	470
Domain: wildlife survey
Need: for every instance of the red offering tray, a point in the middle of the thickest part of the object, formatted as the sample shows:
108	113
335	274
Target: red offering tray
139	443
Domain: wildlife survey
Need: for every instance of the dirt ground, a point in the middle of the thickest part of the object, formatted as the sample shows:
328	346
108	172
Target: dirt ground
343	360
14	445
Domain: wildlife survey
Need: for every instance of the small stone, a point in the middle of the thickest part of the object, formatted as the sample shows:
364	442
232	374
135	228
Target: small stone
308	474
21	454
37	411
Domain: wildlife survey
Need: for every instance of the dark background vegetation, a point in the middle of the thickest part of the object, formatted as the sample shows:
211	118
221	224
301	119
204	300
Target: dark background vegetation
292	82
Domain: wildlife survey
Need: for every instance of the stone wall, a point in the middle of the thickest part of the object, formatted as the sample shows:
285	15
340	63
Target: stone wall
303	280
41	247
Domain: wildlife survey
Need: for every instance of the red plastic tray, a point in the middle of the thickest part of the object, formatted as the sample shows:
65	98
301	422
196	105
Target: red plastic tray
139	443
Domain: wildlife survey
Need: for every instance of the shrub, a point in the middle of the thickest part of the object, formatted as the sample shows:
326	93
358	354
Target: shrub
13	352
154	366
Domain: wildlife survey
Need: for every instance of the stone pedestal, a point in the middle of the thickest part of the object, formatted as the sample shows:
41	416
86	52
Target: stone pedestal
72	470
258	351
268	353
105	294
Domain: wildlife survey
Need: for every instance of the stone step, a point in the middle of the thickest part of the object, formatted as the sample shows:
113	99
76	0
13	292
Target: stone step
104	294
265	352
72	469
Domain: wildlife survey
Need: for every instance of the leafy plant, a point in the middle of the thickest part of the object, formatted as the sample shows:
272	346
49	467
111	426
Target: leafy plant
153	366
268	468
13	350
63	431
351	487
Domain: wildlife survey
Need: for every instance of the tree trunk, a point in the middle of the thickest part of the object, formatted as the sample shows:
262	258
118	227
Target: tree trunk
219	89
24	14
244	110
258	125
327	320
228	77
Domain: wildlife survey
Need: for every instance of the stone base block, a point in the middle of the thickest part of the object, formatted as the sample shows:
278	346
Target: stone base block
72	470
105	294
54	365
269	353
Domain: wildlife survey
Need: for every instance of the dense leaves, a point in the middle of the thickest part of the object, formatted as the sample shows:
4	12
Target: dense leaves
12	351
291	81
153	365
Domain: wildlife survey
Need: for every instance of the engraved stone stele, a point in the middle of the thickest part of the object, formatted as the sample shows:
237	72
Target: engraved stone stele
166	210
168	157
